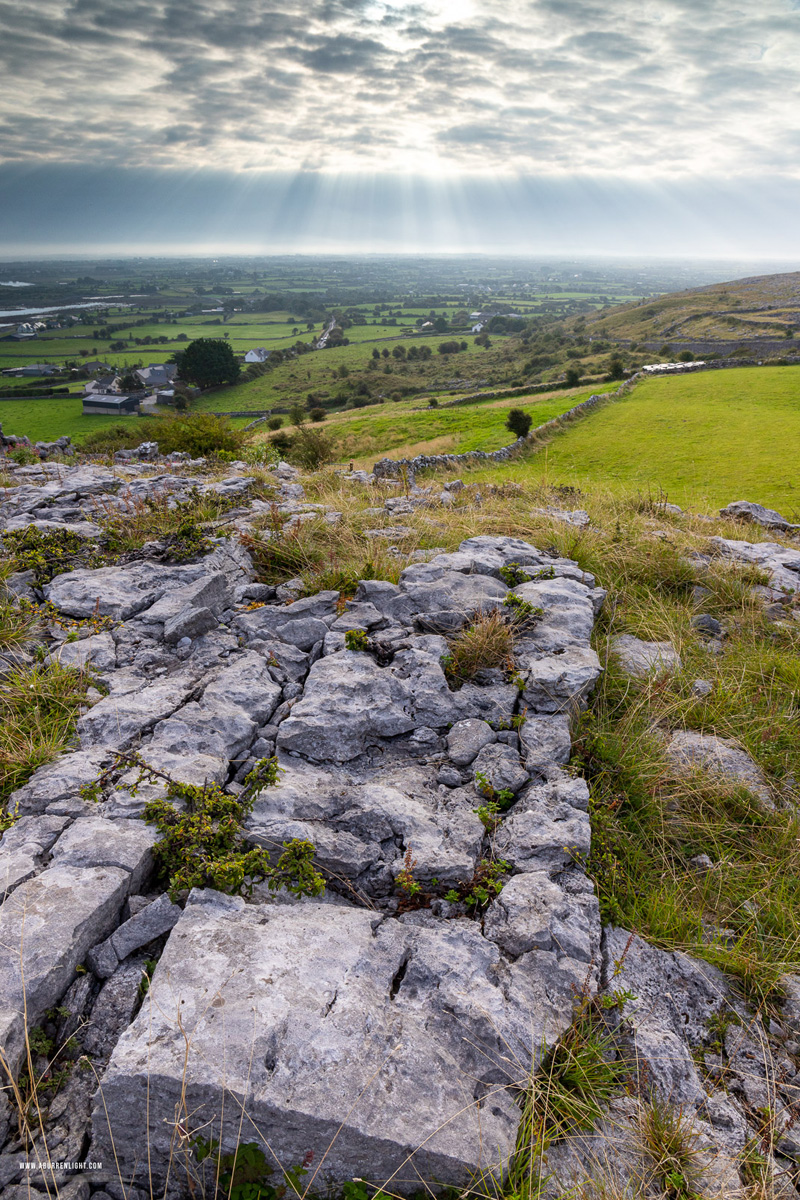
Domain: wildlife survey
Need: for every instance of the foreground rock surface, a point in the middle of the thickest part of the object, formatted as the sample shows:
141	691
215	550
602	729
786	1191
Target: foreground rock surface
384	1026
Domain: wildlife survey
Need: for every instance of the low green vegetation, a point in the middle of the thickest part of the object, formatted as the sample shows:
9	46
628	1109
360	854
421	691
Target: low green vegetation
202	842
405	428
568	1093
39	705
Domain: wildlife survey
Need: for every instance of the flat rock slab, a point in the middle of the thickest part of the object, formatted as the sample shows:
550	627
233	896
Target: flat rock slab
719	757
641	659
46	928
396	1055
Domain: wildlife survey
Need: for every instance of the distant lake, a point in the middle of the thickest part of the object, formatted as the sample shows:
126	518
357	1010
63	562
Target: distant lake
33	312
14	283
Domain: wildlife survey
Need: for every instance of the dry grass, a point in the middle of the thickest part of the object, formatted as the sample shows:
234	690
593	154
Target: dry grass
486	644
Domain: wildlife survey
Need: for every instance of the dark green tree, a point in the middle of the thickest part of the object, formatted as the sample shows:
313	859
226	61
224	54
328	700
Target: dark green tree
519	422
208	362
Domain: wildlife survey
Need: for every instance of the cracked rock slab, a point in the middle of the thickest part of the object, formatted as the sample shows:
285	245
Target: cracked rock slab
46	928
402	1041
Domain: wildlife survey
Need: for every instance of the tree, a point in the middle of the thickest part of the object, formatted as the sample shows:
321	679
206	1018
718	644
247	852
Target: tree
208	362
519	422
572	377
616	367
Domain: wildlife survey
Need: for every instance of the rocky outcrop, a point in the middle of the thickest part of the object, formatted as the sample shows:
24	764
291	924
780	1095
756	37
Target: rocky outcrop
388	1026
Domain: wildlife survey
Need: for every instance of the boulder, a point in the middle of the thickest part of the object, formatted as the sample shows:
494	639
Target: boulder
466	738
689	749
640	659
498	768
747	510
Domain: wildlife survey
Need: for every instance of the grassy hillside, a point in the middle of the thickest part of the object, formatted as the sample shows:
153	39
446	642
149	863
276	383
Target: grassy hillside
763	306
403	428
705	439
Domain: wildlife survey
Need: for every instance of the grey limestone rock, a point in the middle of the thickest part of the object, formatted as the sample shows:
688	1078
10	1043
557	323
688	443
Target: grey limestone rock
362	826
562	681
640	658
747	510
688	749
46	928
545	740
97	651
673	998
189	622
114	1008
533	913
144	926
97	842
548	827
466	738
348	699
60	780
119	718
500	767
403	1038
704	623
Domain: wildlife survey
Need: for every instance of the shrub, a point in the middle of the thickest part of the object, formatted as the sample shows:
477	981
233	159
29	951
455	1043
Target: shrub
311	448
197	434
572	378
274	422
317	414
282	442
519	422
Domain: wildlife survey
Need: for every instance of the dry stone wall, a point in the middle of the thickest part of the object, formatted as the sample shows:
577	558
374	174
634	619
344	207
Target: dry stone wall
388	468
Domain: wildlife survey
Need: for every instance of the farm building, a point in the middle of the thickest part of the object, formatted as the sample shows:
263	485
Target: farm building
106	385
259	355
157	375
106	404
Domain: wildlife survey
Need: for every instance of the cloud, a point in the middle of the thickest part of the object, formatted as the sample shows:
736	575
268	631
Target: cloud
634	87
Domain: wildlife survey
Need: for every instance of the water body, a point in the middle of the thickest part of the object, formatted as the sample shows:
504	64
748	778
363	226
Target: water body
34	312
14	283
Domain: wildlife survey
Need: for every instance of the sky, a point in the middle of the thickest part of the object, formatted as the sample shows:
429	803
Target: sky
663	127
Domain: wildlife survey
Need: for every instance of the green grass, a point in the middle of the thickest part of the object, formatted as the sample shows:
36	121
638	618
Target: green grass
704	439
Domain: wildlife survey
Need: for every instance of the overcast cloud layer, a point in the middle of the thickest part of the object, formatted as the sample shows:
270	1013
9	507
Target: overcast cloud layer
644	87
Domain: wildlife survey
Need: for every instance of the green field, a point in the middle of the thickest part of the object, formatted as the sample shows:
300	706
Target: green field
46	420
704	439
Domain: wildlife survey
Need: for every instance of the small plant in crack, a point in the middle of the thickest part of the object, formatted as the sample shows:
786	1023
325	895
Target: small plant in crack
522	612
202	844
487	883
356	639
514	575
405	876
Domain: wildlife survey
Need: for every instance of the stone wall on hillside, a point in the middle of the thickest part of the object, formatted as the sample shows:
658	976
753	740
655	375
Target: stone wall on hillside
397	469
